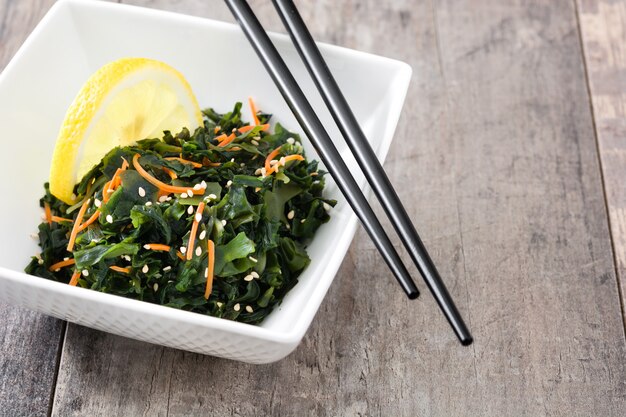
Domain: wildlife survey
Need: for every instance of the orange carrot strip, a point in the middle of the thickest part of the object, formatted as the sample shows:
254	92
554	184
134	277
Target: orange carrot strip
61	264
89	221
79	218
221	137
194	230
60	219
74	279
207	162
272	155
235	149
161	185
245	129
119	269
184	161
180	255
157	247
46	209
211	263
105	191
228	140
217	129
171	173
254	111
283	161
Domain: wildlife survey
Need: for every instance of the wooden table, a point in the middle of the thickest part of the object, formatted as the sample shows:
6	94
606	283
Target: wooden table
510	156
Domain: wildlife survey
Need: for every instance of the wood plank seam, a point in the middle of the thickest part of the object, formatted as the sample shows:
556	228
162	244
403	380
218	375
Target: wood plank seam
618	278
57	368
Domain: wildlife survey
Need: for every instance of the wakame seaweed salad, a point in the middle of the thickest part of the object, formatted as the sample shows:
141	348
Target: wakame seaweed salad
215	221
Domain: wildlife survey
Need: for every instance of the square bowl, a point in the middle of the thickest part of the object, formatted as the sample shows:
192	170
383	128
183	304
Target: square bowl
77	37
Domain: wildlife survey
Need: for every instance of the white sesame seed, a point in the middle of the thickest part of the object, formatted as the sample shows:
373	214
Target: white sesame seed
141	191
203	184
232	159
197	187
34	236
302	221
218	127
146	246
314	173
202	235
237	307
212	197
190	210
198	251
263	172
183	249
258	171
234	130
56	270
163	199
168	198
243	164
255	260
327	206
229	183
145	269
148	203
73	196
97	202
248	278
126	257
254	142
155	287
66	259
273	162
287	226
190	193
198	217
167	268
40	261
43	217
256	137
219	304
254	274
282	161
85	273
223	222
254	157
206	272
249	309
183	195
110	191
291	141
291	214
109	218
316	182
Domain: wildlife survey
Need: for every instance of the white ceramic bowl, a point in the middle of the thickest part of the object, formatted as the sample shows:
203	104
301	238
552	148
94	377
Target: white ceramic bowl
77	37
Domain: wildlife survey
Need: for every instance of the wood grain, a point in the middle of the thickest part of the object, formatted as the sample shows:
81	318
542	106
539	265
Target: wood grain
603	31
29	342
495	158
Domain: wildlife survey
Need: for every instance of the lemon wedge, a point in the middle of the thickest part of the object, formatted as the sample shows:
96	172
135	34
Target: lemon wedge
124	101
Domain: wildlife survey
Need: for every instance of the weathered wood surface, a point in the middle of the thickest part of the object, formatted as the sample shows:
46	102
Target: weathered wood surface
603	30
29	342
495	157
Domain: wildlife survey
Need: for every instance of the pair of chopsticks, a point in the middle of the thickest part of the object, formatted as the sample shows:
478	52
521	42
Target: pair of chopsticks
365	156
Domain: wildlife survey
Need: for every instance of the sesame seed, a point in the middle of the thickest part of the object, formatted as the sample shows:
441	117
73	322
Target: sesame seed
66	259
110	191
190	193
223	222
198	251
168	198
190	210
282	161
287	226
219	304
316	182
40	261
97	202
243	164
198	217
85	273
255	260
167	268
273	162
212	196
43	217
237	307
254	274
256	137
254	142
248	278
202	235
249	309
263	172
327	206
109	218
313	174
206	272
232	159
148	203
218	127
73	196
141	191
291	141
183	195
163	198
197	187
146	246
56	270
145	269
183	249
155	287
254	157
203	184
34	236
229	183
234	130
291	214
258	171
126	257
302	221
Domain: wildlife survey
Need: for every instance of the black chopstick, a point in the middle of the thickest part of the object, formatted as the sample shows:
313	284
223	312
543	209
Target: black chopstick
367	160
315	131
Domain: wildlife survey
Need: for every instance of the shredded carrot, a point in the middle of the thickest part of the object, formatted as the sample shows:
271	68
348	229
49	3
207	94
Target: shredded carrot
157	247
105	191
194	230
74	279
119	269
217	129
46	209
61	264
283	161
207	162
272	155
235	149
161	185
180	255
254	111
89	221
114	183
211	263
245	129
125	164
60	219
184	161
228	140
75	229
221	137
171	173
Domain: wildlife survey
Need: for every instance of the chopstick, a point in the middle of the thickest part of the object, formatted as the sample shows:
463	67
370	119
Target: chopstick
367	160
315	131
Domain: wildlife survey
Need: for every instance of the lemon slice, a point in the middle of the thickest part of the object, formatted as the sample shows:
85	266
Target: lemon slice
124	101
